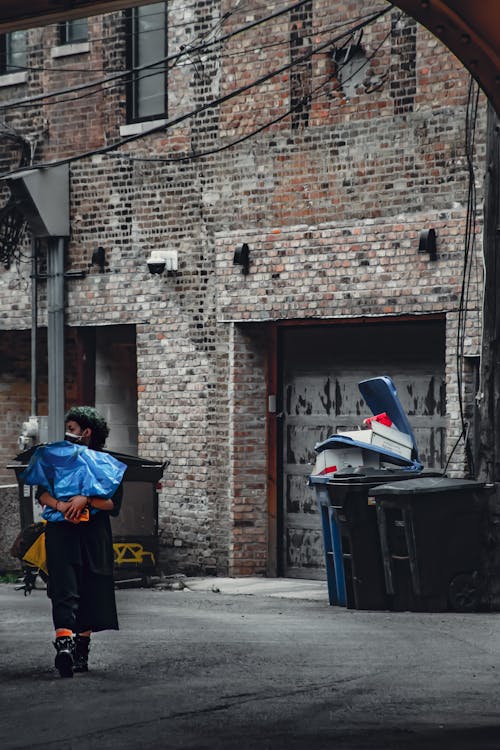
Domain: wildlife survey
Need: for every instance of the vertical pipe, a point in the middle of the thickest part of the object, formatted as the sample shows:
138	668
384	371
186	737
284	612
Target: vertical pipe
34	325
488	400
55	337
274	561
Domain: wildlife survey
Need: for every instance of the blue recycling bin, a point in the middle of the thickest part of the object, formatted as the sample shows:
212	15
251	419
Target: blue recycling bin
331	543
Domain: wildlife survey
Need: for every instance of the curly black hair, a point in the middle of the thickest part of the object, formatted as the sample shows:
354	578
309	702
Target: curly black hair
87	416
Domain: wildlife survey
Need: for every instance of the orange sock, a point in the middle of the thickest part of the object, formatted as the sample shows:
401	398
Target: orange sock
60	632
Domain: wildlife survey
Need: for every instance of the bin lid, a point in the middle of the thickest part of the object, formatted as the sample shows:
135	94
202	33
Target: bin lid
381	395
370	475
137	467
136	460
426	486
140	469
370	472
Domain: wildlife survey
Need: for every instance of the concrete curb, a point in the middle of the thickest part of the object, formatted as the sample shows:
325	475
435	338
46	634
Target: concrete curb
283	588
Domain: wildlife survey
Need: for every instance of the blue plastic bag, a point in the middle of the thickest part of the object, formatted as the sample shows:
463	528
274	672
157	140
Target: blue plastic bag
66	469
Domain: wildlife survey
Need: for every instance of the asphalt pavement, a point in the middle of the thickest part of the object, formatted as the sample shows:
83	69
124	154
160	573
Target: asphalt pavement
243	664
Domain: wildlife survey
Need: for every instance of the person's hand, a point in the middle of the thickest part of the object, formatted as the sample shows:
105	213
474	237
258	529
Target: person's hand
74	507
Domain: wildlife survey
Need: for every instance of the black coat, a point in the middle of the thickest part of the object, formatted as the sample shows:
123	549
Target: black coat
80	565
88	543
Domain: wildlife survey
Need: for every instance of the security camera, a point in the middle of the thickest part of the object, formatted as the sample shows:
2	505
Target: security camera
156	262
159	260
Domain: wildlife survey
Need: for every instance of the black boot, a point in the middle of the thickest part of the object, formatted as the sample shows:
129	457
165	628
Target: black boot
64	657
81	653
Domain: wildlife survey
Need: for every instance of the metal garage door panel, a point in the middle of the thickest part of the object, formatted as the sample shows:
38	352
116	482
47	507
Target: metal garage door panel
316	406
321	396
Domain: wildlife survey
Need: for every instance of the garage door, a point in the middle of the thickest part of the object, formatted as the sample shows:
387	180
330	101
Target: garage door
322	367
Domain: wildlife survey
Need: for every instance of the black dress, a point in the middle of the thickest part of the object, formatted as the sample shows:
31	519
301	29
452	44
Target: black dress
80	565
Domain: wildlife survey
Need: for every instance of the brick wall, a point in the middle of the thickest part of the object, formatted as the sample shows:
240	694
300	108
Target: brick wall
331	199
248	550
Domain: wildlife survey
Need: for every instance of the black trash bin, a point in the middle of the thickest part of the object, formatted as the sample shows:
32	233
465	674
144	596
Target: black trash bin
356	517
432	536
135	530
29	508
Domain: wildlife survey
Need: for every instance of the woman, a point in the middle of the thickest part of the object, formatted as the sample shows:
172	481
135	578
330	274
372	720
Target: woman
80	555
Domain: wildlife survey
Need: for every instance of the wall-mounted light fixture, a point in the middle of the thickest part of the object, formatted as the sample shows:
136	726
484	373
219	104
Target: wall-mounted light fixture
99	259
242	258
161	260
427	243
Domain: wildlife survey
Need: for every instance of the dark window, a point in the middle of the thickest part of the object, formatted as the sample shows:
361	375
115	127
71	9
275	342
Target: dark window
13	52
147	37
73	32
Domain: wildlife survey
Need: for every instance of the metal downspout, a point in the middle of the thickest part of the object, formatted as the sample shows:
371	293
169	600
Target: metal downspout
55	336
34	325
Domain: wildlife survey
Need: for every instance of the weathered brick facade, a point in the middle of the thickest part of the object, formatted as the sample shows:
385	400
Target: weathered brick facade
331	199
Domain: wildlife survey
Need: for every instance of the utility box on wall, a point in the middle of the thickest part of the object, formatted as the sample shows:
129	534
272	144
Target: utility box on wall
42	194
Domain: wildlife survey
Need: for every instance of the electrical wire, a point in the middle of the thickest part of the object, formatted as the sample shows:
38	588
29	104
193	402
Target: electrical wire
127	74
161	69
469	248
306	99
303	101
185	7
156	71
186	51
209	105
225	56
296	107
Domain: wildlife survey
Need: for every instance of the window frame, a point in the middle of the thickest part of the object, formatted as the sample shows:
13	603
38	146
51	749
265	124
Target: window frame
133	61
65	27
6	67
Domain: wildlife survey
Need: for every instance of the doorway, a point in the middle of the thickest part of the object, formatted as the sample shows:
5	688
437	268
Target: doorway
107	379
321	369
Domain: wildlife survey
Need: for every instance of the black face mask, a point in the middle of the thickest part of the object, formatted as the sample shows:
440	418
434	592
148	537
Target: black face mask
72	438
